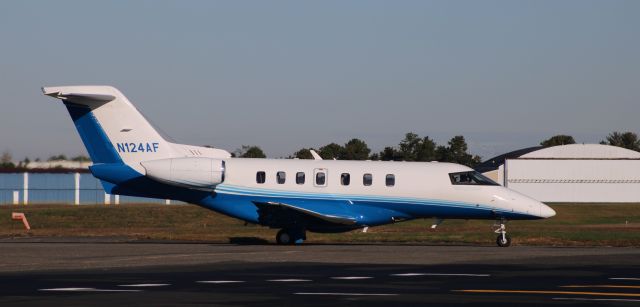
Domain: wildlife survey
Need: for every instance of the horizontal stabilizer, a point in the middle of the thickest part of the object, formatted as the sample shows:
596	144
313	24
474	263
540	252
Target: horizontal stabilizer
95	97
336	219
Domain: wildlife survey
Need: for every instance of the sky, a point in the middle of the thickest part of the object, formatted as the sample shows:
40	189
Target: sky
285	75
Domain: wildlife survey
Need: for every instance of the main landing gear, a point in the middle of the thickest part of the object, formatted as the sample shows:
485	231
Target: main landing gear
289	236
503	240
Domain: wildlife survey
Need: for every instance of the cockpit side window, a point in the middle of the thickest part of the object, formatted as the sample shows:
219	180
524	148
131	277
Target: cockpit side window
470	178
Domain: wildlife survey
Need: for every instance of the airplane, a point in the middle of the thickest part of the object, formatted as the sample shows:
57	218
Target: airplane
130	157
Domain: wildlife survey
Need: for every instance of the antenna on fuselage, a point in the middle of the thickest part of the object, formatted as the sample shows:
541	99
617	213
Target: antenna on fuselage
315	155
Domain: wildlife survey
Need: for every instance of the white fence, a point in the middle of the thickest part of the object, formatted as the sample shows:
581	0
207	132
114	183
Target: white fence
60	188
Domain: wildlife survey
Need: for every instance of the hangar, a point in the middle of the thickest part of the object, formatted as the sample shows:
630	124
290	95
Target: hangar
587	173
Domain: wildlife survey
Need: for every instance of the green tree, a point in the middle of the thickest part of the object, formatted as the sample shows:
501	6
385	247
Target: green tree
408	146
390	154
456	152
248	151
356	149
23	164
81	158
331	151
5	160
412	148
443	154
304	153
426	150
559	139
628	140
57	158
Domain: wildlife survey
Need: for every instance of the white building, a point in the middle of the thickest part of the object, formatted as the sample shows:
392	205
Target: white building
59	164
591	173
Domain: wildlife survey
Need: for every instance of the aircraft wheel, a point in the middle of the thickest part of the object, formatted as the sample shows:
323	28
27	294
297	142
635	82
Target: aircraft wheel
503	242
284	237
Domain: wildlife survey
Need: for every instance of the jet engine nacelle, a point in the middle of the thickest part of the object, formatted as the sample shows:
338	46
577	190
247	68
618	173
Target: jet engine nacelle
197	173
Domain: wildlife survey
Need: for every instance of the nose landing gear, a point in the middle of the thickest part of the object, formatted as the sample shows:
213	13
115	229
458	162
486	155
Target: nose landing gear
503	240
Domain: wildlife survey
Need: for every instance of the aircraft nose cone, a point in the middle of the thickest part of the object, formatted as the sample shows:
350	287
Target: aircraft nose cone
546	211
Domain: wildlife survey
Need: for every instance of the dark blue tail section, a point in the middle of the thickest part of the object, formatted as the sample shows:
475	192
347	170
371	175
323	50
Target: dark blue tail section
98	145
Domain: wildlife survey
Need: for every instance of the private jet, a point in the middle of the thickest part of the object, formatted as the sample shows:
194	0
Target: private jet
130	157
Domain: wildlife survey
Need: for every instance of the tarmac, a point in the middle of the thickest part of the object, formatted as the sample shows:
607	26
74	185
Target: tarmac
114	271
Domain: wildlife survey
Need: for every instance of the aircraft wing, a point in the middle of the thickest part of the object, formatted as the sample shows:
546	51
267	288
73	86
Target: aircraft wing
332	218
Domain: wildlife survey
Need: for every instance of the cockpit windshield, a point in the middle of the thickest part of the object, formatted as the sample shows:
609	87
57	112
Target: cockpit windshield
470	178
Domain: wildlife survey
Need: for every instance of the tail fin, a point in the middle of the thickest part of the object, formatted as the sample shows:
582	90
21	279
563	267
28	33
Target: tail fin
111	128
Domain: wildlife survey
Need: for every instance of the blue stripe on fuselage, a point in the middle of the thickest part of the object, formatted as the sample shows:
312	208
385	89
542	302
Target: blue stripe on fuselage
367	209
366	213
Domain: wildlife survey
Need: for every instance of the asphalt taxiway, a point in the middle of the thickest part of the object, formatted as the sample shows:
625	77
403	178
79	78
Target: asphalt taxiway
107	272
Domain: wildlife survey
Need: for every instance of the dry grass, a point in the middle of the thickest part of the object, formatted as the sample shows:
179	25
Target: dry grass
575	225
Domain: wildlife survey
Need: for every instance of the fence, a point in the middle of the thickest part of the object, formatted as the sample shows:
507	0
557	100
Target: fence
60	188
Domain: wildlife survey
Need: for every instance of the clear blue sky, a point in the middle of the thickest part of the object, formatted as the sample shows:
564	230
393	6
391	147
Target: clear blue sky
290	74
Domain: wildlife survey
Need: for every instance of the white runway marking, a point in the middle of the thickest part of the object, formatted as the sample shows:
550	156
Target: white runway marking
219	281
439	274
594	299
624	278
86	290
351	277
289	280
345	294
145	285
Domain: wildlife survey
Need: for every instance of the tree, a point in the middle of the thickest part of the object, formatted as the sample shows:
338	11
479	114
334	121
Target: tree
5	160
443	154
81	158
390	154
304	153
250	152
24	163
456	152
559	139
57	158
408	146
356	149
426	150
412	148
628	140
331	151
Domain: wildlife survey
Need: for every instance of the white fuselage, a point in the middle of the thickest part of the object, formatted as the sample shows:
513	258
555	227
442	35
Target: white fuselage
413	180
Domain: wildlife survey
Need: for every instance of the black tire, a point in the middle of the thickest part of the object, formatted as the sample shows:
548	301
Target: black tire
284	237
503	243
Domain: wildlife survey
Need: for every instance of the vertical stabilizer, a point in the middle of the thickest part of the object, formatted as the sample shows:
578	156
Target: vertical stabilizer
111	128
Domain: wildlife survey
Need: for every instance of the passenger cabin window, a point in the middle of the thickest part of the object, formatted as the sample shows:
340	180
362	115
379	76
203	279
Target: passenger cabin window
260	177
281	177
300	178
390	180
321	178
367	179
345	178
470	178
